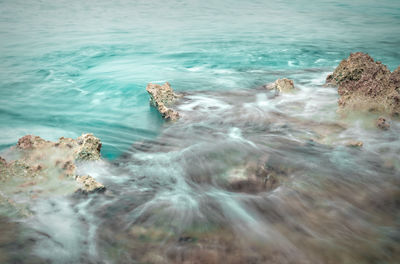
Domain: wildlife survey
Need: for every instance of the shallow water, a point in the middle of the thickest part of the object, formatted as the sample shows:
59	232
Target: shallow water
246	176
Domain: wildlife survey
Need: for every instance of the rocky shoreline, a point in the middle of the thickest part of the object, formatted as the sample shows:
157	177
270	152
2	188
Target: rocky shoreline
363	85
37	168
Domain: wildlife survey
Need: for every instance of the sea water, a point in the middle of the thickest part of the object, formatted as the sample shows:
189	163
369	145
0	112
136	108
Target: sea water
73	67
246	175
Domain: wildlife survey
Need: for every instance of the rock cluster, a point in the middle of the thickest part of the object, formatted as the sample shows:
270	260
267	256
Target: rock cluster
365	84
43	165
282	86
162	97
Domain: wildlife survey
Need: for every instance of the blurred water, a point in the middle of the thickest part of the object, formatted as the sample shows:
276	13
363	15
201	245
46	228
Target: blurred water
245	176
69	67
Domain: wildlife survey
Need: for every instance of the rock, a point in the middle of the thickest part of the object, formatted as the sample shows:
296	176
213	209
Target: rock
44	167
11	208
3	166
282	85
85	147
162	97
89	185
16	169
381	123
30	142
355	144
89	147
263	175
365	84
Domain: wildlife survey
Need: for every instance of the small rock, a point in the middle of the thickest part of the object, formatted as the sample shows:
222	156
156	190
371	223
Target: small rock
89	184
382	123
355	144
162	97
282	85
89	147
30	142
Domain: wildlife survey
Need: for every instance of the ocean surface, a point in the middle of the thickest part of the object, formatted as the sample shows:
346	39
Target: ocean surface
245	176
71	67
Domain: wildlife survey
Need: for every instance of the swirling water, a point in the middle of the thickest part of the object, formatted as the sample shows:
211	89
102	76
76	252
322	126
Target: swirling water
70	67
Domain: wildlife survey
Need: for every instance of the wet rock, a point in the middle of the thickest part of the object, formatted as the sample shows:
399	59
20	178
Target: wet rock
382	123
355	144
365	84
89	185
282	86
264	175
3	165
10	208
89	147
162	97
85	147
43	167
30	142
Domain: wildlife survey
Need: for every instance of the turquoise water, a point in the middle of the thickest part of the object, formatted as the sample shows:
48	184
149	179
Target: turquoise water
245	176
70	67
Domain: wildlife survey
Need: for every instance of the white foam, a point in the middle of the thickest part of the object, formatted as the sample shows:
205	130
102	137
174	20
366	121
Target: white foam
223	71
195	69
204	103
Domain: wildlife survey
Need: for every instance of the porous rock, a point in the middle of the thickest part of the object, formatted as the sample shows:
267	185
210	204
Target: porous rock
365	84
162	97
355	144
44	167
89	184
282	85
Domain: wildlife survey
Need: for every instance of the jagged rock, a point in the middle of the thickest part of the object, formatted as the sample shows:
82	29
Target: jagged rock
89	147
282	85
162	97
366	85
30	142
89	185
44	167
382	123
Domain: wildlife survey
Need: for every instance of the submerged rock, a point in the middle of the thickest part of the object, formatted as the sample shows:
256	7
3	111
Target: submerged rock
266	174
282	86
43	167
89	184
355	144
365	84
382	124
162	97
